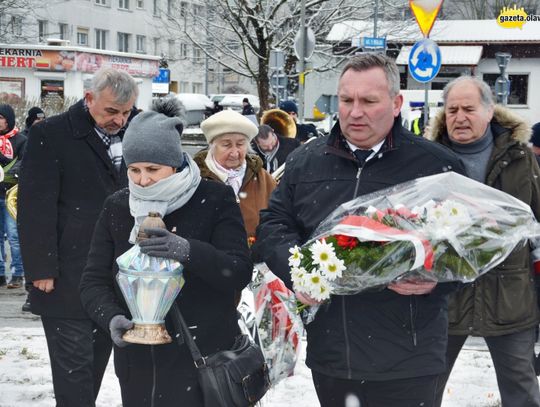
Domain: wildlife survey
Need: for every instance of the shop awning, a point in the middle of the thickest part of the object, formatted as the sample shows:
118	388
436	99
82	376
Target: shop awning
451	55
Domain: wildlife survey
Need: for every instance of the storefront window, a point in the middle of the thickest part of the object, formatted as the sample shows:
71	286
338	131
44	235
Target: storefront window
52	94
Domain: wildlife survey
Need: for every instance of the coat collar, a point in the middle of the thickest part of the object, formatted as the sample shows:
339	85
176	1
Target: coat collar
337	145
83	128
81	120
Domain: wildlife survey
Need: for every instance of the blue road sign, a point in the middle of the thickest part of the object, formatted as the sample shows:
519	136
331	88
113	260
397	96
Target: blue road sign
374	42
425	60
164	76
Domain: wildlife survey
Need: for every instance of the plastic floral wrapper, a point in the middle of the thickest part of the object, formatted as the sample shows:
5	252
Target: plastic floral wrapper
279	325
442	228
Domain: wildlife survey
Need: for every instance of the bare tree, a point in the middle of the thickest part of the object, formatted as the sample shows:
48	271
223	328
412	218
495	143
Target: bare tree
239	34
14	18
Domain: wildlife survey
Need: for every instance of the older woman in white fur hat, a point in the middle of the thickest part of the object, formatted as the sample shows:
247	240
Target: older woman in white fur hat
228	160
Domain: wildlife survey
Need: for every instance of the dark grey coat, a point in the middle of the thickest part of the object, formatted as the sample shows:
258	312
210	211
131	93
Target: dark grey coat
66	174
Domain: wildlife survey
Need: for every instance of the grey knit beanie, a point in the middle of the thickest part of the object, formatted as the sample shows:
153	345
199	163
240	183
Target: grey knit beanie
154	136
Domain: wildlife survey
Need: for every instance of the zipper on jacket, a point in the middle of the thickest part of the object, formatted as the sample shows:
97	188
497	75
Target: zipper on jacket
154	374
343	307
357	181
412	309
346	335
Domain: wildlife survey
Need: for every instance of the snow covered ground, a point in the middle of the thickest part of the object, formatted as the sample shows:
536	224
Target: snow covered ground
25	379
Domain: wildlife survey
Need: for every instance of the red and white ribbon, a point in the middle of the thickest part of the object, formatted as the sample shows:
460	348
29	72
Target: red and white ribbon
367	229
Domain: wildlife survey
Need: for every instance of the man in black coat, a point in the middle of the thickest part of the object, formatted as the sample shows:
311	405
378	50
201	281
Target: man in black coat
384	347
35	115
73	161
272	148
247	108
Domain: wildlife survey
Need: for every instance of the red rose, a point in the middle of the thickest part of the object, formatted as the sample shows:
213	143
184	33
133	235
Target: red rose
346	242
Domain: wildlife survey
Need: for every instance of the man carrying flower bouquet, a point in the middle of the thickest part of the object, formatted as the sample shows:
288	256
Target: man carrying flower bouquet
501	305
386	347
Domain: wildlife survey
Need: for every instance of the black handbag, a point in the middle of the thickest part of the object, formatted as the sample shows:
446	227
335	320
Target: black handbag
233	378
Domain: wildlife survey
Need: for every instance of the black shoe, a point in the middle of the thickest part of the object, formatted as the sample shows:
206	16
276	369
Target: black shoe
26	306
16	282
2	281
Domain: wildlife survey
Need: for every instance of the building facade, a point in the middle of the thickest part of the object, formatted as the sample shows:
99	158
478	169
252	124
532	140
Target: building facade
145	27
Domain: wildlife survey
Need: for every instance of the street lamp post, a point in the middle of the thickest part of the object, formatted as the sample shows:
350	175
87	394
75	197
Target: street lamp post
302	62
502	84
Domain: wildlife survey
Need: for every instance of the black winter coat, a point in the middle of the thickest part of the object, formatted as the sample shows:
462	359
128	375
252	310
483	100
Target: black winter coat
377	335
286	146
247	110
305	131
218	265
66	174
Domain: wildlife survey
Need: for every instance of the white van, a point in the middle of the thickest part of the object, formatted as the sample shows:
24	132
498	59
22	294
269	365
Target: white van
197	107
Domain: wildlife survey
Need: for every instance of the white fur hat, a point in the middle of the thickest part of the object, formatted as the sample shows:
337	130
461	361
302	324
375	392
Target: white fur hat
228	121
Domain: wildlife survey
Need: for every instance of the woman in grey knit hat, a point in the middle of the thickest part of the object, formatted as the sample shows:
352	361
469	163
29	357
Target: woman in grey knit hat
204	232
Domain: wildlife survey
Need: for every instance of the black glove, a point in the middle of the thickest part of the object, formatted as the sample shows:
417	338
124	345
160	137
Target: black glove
118	327
163	243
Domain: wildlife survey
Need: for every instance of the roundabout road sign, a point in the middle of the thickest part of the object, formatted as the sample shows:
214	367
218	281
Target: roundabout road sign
424	60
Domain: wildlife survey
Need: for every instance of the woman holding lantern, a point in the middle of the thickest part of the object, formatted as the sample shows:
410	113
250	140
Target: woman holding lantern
204	232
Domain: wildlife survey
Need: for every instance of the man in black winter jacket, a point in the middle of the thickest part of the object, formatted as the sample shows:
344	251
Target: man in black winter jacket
73	161
272	149
383	347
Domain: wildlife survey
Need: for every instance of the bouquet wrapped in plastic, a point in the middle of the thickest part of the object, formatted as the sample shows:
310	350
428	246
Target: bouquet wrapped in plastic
279	325
442	228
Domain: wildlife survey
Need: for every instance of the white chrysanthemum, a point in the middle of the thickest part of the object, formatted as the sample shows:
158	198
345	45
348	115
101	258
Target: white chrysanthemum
445	220
323	294
333	269
296	256
316	285
322	252
298	277
448	214
457	213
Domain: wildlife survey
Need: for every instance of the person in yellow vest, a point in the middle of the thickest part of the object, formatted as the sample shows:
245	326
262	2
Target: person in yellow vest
417	126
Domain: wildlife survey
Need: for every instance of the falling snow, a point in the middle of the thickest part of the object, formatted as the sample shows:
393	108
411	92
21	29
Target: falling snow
25	378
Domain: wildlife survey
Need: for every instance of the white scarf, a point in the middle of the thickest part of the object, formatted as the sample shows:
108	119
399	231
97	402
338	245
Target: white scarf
232	177
163	197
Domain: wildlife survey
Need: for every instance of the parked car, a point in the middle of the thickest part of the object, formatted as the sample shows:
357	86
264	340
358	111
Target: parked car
197	107
234	101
